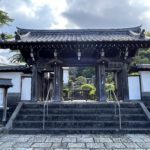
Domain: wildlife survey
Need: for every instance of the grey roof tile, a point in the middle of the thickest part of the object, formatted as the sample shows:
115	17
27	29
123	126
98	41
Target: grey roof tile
5	82
80	35
11	68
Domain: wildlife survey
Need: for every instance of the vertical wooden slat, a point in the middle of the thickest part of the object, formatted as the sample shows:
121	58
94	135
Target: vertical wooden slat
101	81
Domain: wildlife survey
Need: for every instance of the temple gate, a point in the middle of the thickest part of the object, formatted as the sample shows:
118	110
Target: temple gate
47	51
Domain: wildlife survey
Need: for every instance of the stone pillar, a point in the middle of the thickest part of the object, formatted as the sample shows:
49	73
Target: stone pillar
125	82
101	81
34	88
57	83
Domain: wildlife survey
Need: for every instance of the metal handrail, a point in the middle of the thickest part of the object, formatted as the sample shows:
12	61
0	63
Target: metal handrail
45	104
118	103
119	107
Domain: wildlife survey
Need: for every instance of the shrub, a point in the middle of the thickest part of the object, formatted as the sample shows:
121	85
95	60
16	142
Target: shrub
110	87
66	93
91	90
80	81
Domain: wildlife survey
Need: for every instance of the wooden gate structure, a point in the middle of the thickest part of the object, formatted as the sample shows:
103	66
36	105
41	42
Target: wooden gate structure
104	49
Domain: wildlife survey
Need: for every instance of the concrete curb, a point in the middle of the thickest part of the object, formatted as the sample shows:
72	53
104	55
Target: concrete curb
147	113
12	118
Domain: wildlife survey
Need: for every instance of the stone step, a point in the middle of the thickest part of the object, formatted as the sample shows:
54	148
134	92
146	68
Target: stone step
80	131
84	124
81	111
85	105
81	117
64	131
65	124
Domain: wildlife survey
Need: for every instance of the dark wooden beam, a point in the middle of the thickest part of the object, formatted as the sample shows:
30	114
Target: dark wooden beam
125	82
34	88
57	84
101	82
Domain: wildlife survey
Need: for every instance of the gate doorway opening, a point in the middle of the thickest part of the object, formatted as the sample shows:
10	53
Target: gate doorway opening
111	86
81	84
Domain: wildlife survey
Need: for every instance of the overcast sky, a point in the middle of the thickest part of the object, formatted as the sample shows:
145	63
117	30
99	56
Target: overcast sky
60	14
68	14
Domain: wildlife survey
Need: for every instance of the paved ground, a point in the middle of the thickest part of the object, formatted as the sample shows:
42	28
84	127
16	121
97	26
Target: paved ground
74	142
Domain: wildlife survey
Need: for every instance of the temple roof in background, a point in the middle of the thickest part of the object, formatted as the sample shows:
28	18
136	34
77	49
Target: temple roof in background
15	68
140	67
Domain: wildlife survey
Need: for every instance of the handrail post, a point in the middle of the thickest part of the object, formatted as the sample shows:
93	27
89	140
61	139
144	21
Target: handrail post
45	105
119	113
44	117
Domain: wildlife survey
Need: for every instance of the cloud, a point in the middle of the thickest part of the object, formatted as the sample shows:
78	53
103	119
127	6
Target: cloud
108	13
40	14
5	55
60	14
3	60
28	15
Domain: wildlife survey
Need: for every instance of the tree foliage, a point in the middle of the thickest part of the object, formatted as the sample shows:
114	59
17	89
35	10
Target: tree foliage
79	81
91	88
17	58
142	57
4	18
86	72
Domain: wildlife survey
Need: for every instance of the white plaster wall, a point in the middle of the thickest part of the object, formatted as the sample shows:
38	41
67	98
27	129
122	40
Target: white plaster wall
26	88
145	81
16	81
65	75
134	88
1	96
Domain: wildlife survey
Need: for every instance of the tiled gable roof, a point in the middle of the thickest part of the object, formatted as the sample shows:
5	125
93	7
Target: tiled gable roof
80	35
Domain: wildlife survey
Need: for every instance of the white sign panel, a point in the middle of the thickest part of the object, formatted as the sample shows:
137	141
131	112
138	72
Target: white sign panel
145	81
26	89
65	75
1	96
134	88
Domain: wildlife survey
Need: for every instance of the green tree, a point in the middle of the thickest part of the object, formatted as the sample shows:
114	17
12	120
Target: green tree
143	57
4	18
80	81
147	33
91	89
17	58
87	72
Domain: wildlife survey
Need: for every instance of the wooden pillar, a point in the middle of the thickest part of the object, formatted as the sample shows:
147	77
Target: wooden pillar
57	83
101	81
119	85
96	82
125	82
61	83
34	88
115	81
40	88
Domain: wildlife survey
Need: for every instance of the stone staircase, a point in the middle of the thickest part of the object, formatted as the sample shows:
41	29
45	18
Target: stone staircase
147	104
9	113
74	118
